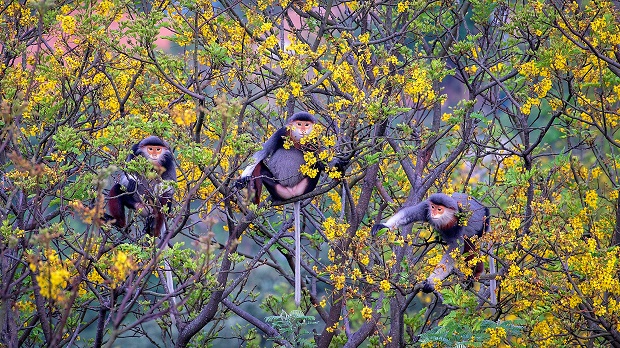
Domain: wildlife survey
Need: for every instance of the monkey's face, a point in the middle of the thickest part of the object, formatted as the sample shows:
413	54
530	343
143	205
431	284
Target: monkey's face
153	152
299	129
441	216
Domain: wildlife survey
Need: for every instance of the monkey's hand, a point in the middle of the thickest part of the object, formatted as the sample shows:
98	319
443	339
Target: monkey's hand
428	287
149	225
242	182
340	164
377	228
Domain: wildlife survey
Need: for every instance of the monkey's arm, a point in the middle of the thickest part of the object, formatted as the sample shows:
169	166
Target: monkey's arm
269	147
405	216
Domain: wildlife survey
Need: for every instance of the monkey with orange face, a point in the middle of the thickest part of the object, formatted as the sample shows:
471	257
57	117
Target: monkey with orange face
442	212
141	194
278	167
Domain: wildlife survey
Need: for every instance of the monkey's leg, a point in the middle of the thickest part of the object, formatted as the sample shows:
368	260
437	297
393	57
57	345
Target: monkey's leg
296	213
156	220
442	270
470	252
116	206
257	183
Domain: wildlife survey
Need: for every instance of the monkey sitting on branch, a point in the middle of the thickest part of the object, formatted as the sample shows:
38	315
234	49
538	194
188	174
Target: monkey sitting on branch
442	212
146	195
278	167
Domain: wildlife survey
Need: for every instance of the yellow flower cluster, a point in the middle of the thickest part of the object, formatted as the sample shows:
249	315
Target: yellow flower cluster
339	280
67	23
496	336
23	12
310	4
367	313
336	202
606	30
53	275
281	95
514	223
591	199
105	7
122	265
334	230
532	72
308	169
545	331
296	89
384	285
418	85
184	114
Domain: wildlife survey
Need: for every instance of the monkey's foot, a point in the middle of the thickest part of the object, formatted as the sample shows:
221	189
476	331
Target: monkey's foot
376	228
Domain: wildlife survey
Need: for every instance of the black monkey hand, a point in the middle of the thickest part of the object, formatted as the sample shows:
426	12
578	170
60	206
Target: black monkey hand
149	225
340	164
376	229
242	182
428	287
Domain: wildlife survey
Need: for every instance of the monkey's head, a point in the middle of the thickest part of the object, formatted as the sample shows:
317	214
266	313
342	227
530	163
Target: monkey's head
442	211
299	125
153	148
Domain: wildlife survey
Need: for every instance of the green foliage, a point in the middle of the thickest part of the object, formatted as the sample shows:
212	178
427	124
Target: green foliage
292	327
465	326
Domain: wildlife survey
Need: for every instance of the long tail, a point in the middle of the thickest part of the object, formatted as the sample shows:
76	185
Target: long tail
296	213
169	283
492	282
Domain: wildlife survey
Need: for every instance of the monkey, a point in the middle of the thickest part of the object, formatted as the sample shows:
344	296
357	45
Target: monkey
278	168
442	212
147	196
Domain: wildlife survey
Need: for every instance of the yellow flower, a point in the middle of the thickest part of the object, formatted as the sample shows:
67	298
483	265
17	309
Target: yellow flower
471	69
367	313
67	23
497	334
296	89
514	223
281	97
364	38
591	199
338	281
384	285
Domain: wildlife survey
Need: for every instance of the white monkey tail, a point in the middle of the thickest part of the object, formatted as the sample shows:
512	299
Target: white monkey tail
170	284
296	213
492	281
